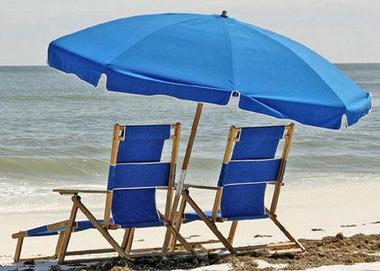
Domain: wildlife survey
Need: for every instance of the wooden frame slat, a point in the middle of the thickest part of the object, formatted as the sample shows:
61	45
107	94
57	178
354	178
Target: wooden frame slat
232	232
177	218
208	222
233	137
281	171
107	209
17	255
173	162
198	186
216	207
171	206
58	247
77	191
99	227
119	134
57	225
69	228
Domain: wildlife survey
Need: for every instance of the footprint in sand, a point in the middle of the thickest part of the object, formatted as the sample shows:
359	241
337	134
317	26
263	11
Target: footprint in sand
317	229
262	235
192	236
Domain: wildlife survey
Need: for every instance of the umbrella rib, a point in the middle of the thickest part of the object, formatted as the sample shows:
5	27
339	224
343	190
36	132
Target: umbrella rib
229	38
279	114
179	83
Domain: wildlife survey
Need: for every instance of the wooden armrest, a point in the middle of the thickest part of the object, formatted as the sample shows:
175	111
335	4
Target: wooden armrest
202	187
77	191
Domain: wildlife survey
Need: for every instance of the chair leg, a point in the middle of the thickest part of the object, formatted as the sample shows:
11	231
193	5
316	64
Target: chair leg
167	241
127	233
128	240
180	238
99	227
67	233
178	222
59	243
285	231
231	235
20	241
208	222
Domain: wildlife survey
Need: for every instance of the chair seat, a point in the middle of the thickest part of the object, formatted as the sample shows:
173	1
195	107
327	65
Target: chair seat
192	216
86	225
44	231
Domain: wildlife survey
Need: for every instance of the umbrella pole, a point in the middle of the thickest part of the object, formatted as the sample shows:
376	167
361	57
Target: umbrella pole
179	184
193	133
189	147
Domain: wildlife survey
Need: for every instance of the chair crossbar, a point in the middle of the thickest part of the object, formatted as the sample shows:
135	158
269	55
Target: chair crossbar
133	147
239	137
249	183
137	188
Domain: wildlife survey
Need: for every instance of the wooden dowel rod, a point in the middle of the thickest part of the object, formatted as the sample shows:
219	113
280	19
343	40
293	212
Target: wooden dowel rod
280	174
193	133
208	222
99	227
90	251
20	241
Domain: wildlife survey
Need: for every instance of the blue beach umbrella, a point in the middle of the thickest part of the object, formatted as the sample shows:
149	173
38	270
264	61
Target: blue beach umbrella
208	58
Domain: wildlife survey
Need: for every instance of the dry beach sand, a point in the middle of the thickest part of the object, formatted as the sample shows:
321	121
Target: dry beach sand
309	212
328	251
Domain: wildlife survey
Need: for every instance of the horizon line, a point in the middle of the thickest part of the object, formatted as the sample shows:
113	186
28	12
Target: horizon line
40	65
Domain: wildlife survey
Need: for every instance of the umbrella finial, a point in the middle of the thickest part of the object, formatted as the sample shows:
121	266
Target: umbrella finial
224	14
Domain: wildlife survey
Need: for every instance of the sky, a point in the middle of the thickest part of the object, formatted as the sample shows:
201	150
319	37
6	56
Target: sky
343	31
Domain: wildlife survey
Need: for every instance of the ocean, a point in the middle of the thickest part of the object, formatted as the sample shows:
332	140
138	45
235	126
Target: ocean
56	131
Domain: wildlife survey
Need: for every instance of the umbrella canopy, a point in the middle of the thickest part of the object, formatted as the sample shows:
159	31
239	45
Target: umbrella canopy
205	58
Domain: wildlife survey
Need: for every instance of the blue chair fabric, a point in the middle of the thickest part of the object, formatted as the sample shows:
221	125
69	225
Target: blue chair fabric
133	180
137	174
44	231
244	178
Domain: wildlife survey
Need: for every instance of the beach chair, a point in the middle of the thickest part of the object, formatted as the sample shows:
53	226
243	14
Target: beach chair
135	173
249	165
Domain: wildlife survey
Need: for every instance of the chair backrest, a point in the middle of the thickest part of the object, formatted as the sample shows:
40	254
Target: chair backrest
136	171
249	165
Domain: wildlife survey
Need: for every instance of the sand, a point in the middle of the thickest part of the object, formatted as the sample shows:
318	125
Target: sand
309	212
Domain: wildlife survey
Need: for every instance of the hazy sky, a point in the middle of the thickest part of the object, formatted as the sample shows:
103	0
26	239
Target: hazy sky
340	30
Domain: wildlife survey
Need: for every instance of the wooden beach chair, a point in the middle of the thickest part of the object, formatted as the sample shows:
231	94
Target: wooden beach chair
136	172
249	165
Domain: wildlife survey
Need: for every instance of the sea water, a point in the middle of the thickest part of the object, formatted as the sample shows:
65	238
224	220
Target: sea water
56	131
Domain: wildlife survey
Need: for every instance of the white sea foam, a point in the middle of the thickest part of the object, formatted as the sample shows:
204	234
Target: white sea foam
56	132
